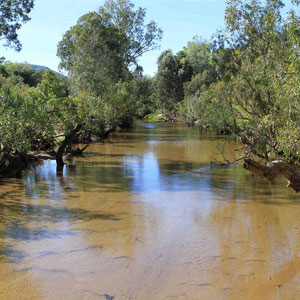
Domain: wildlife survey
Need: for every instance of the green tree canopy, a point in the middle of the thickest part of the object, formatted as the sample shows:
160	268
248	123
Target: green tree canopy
256	95
199	54
12	14
141	37
104	46
91	52
173	72
29	75
264	94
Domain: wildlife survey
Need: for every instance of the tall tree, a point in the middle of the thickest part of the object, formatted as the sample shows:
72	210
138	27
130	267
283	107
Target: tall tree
141	37
12	14
104	46
91	52
199	54
264	94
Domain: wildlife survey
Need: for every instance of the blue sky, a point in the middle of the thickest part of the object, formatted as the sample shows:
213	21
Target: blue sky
180	21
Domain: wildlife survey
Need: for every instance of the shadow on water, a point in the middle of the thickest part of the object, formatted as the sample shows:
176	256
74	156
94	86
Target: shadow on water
24	218
233	183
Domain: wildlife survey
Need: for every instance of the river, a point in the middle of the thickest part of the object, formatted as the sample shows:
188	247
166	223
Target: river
143	215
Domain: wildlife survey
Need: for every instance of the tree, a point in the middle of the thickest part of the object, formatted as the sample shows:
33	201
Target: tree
256	95
90	51
173	72
104	46
141	37
264	94
143	93
212	65
29	116
199	54
12	14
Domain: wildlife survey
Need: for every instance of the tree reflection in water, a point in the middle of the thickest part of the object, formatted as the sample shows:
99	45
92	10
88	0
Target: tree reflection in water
145	209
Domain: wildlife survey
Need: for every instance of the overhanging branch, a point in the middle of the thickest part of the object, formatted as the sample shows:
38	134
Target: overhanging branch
272	170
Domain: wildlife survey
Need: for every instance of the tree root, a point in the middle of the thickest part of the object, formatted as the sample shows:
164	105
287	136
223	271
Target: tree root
271	171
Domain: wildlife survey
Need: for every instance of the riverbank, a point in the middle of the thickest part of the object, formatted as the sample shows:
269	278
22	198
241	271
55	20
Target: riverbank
13	165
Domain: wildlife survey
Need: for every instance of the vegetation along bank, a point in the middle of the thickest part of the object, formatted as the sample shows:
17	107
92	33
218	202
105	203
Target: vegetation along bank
244	83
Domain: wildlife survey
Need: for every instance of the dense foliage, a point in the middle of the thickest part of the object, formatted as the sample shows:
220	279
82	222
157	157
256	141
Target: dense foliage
245	82
105	87
103	47
30	115
264	95
100	55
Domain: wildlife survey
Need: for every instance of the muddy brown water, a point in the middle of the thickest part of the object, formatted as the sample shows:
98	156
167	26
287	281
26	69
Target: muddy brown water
144	216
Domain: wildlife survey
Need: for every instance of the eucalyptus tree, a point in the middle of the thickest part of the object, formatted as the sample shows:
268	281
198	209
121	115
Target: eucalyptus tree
173	72
91	53
255	94
140	37
264	95
142	91
104	46
199	54
29	115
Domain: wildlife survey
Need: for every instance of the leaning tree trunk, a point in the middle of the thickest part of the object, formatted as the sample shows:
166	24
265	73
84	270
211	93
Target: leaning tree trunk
275	168
66	142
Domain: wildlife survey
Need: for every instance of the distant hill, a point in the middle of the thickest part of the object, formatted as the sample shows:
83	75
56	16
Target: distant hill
40	68
43	69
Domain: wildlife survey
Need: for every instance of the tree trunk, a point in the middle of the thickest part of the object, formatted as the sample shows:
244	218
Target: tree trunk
291	173
66	142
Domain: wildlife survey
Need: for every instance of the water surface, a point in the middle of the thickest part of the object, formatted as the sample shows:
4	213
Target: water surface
144	216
